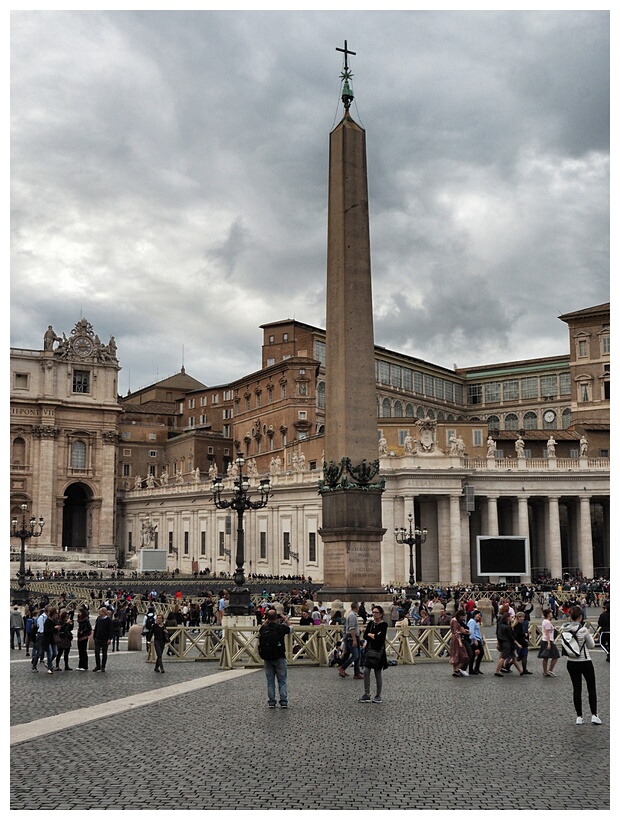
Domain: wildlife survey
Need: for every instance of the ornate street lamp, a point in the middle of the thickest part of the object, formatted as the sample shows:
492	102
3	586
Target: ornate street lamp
26	530
414	538
239	601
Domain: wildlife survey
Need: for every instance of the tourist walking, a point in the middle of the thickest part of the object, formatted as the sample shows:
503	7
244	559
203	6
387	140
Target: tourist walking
30	630
548	651
521	628
159	637
351	644
272	650
581	665
84	631
17	624
506	644
476	640
604	627
375	657
64	639
48	643
102	636
459	657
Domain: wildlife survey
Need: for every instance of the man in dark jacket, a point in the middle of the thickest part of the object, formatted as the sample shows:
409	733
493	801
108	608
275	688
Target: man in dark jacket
272	650
102	635
604	626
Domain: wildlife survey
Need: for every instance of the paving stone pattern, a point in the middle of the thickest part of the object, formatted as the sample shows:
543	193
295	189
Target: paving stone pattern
221	748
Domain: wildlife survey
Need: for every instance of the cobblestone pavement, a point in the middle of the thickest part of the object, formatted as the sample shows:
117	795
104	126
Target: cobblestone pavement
218	746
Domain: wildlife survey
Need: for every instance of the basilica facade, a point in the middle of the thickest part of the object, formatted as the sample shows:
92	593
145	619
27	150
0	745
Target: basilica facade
512	449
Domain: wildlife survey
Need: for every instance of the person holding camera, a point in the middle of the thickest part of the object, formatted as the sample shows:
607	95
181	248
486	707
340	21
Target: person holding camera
272	650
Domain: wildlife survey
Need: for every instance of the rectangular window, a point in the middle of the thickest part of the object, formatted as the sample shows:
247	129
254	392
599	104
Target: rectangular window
126	452
408	379
384	372
272	340
152	453
220	545
477	438
529	387
449	391
153	470
319	351
203	418
312	547
263	545
203	401
302	414
81	381
228	395
192	421
418	382
439	388
474	394
191	404
510	390
548	387
582	348
397	376
215	398
286	537
492	392
126	470
186	543
283	390
20	381
170	543
605	345
203	543
402	435
564	384
130	541
227	413
152	436
271	362
226	430
429	386
285	337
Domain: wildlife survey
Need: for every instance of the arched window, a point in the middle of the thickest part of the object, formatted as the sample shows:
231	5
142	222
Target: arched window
398	409
493	422
409	411
420	412
430	414
530	421
566	418
18	457
78	455
441	416
511	421
387	408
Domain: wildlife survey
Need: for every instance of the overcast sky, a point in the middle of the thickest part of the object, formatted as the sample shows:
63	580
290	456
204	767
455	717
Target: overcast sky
169	179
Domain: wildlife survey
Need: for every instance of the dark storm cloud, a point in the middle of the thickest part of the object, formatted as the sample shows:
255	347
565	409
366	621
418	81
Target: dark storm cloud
169	178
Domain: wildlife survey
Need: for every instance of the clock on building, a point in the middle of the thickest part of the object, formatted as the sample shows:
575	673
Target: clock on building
82	346
549	416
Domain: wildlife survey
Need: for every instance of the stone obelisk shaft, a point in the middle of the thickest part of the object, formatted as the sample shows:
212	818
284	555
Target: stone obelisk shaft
351	530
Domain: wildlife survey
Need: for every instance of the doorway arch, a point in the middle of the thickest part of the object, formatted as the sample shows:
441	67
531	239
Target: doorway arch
75	516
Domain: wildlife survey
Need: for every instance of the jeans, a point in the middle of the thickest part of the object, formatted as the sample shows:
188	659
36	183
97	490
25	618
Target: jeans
276	669
51	651
354	657
378	680
16	631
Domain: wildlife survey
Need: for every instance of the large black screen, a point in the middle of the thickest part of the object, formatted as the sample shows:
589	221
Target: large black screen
502	555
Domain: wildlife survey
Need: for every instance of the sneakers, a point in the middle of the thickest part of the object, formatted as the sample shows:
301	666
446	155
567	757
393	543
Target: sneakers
579	721
596	719
284	706
552	674
364	699
464	673
271	705
377	699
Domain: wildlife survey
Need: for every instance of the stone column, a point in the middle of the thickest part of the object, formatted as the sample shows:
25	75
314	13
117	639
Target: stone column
586	558
492	519
456	569
553	551
523	528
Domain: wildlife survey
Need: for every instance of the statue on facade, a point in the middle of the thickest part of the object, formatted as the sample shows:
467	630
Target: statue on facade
150	481
49	337
252	468
213	471
148	532
302	462
164	478
491	447
295	462
383	446
520	447
197	475
179	477
137	485
583	446
551	447
409	445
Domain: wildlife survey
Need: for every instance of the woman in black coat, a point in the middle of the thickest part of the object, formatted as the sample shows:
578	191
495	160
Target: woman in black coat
374	640
159	636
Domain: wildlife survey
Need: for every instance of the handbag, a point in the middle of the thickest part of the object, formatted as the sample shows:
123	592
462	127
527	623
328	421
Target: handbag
373	658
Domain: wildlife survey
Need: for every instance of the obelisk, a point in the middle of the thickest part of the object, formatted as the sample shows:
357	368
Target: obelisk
351	487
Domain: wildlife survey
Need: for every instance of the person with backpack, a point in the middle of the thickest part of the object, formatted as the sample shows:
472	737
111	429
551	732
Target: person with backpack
576	643
272	650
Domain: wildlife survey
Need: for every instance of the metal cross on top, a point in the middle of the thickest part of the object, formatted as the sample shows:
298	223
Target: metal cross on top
346	54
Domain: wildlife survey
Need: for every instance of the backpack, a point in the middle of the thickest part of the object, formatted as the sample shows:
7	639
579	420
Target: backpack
570	645
270	646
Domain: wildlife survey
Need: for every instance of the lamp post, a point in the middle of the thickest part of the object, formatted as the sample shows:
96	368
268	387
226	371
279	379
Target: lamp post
414	537
26	530
239	601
